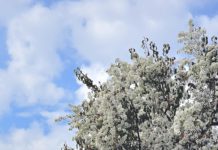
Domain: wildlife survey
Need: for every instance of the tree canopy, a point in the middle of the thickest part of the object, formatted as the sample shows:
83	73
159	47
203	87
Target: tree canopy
154	102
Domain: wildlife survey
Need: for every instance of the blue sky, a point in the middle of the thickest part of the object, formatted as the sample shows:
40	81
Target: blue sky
42	41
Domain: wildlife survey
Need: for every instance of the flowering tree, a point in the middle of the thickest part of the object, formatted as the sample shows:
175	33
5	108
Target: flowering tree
154	102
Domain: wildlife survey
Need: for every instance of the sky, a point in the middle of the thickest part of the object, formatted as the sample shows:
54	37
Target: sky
43	41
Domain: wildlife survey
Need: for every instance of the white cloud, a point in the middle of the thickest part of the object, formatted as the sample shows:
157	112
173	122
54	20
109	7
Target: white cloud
34	137
11	8
105	30
33	40
97	73
209	23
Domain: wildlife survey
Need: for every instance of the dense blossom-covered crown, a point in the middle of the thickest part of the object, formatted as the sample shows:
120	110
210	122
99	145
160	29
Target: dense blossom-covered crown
154	102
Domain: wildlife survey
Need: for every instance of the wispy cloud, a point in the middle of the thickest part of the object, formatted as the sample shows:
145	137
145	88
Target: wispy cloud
35	138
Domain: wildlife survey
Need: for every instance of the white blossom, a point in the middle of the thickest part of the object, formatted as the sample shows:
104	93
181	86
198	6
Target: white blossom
154	102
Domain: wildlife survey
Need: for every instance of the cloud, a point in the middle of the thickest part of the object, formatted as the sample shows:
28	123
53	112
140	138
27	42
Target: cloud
10	9
97	73
99	31
209	23
105	30
34	137
34	41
